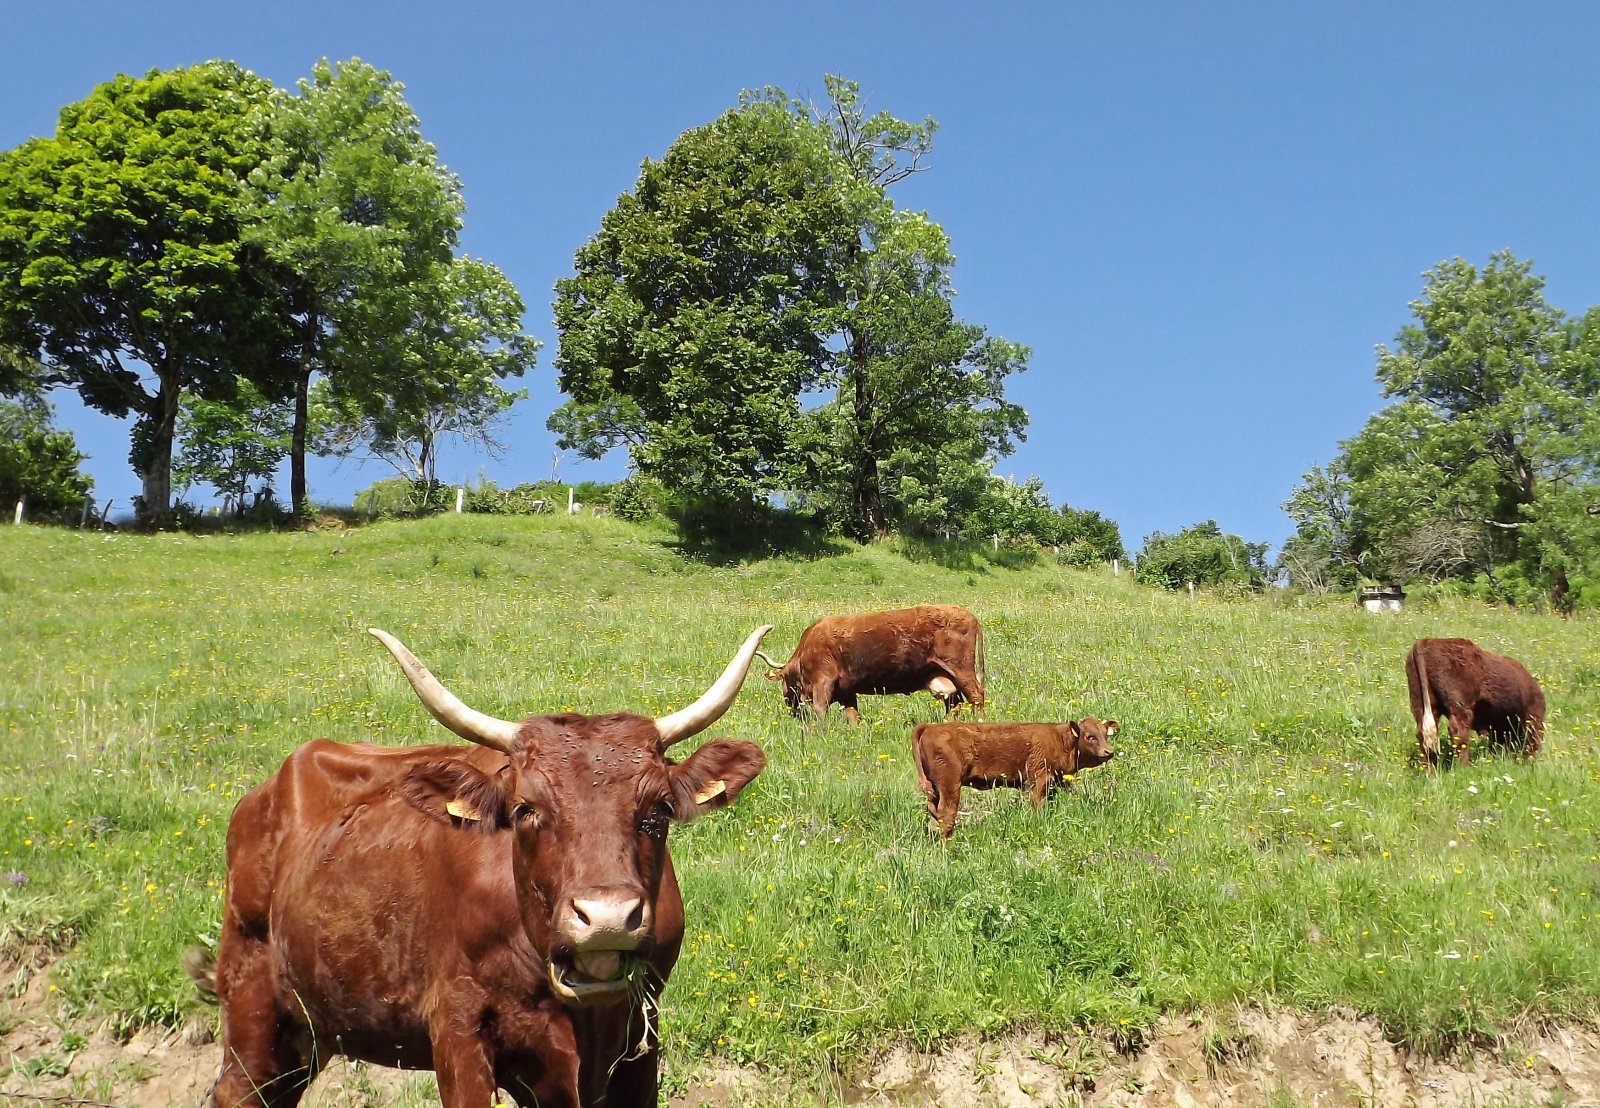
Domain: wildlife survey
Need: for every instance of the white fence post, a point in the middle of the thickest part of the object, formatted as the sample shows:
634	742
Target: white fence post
372	496
1191	590
18	520
1116	567
997	542
461	495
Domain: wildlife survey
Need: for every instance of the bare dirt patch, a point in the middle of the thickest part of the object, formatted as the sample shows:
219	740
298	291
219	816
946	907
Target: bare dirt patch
1247	1059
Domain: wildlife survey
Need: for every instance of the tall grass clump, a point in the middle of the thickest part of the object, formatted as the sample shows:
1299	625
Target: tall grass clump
1267	837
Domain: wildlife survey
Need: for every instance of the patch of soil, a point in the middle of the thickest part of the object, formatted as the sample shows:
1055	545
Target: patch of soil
1251	1058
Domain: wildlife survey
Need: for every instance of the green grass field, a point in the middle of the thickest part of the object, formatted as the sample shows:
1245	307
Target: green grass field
1266	838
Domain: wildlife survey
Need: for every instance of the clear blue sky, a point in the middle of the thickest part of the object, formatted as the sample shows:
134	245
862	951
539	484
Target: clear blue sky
1202	218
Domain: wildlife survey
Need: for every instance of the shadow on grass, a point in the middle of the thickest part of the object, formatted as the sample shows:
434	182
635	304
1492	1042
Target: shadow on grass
716	535
963	555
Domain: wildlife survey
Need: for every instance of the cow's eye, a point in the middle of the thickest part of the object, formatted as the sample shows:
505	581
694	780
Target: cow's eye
525	813
655	821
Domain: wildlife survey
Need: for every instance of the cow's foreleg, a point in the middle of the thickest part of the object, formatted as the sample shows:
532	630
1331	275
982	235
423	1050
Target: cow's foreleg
462	1065
821	697
847	701
262	1066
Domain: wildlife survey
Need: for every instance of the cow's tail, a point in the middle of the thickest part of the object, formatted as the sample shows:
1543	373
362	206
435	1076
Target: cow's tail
983	676
201	966
1428	724
924	781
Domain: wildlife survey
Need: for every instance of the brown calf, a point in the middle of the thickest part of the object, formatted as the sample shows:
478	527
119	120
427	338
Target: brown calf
1035	756
1477	691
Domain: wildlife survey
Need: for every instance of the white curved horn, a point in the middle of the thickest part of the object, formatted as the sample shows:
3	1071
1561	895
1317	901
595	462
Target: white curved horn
715	700
469	723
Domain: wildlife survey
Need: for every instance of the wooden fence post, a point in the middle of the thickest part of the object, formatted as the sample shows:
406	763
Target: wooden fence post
372	496
88	503
105	513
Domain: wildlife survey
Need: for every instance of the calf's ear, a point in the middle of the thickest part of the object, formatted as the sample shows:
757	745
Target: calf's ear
712	776
1111	727
453	792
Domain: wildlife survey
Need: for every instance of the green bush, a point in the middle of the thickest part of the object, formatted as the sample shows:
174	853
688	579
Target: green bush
1202	554
400	496
39	465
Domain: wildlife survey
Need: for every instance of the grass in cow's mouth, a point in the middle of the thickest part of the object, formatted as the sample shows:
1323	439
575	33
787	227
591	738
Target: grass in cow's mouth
1263	837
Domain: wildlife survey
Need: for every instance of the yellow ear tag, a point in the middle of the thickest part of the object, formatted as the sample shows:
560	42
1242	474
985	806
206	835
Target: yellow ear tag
716	788
461	810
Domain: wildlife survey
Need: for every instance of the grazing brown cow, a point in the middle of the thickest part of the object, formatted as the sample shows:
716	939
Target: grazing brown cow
1477	691
503	915
1035	756
938	647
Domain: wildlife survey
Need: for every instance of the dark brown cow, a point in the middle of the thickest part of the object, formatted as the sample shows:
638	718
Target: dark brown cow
1034	756
1477	691
504	915
938	647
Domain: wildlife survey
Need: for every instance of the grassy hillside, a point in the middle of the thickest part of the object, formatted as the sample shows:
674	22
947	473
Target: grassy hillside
1267	837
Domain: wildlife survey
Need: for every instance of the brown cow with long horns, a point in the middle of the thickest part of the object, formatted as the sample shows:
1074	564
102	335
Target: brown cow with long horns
938	647
504	915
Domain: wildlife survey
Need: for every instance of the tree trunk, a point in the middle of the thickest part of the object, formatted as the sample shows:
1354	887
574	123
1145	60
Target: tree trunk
154	464
866	499
298	500
297	444
427	464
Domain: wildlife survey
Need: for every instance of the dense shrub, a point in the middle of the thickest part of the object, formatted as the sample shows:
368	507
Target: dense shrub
1202	554
39	465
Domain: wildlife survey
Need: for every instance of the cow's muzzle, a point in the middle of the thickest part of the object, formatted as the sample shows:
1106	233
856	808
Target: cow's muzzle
599	940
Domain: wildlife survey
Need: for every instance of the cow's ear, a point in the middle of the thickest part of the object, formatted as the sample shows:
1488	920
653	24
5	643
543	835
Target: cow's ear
1111	727
453	792
1077	731
712	776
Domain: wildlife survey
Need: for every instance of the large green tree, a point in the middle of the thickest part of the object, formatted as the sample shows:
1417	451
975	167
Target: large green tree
696	317
122	265
918	414
757	318
1202	554
1489	456
460	335
353	207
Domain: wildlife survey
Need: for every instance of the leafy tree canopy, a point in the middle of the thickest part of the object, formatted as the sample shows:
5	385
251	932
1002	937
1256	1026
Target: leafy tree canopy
231	444
121	251
757	319
1489	456
463	335
353	207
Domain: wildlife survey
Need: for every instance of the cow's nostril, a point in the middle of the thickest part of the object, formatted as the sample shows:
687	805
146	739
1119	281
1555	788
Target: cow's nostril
577	910
636	917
